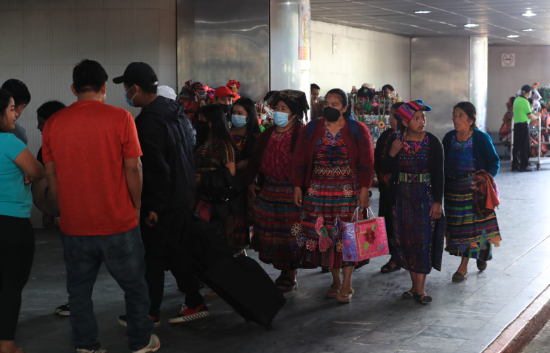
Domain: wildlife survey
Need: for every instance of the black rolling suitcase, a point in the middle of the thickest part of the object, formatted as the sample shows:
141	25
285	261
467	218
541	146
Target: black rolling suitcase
237	279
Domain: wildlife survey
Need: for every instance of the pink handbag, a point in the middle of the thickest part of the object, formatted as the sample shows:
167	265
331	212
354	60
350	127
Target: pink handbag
204	211
364	239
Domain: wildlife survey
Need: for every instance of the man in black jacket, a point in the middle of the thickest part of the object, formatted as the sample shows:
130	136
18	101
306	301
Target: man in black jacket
167	141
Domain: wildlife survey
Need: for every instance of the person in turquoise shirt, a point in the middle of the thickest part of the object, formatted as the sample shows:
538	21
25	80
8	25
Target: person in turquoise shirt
22	97
18	168
522	117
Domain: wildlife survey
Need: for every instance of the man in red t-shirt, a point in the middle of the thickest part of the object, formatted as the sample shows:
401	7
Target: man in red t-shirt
92	155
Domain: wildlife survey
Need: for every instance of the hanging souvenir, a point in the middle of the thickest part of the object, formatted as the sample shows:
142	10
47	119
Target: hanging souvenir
368	107
192	98
234	86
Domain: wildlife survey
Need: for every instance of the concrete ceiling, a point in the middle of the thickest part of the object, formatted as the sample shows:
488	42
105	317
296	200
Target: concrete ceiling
497	19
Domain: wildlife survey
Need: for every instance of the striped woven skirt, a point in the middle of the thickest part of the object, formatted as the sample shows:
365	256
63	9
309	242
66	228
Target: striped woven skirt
274	214
418	240
468	235
331	199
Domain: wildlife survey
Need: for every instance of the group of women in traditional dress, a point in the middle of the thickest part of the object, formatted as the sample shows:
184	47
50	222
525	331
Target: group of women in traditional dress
417	173
298	183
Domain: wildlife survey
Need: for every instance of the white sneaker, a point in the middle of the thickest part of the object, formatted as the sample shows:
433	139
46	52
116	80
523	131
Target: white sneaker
82	350
153	346
63	310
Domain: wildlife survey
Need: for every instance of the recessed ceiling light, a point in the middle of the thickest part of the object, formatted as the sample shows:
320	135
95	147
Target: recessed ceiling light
528	30
423	11
470	25
529	14
513	36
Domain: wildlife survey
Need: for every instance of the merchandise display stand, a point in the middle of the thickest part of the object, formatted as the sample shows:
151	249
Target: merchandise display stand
377	125
373	112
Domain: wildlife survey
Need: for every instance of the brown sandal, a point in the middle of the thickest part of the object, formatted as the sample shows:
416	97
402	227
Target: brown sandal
345	295
334	291
388	268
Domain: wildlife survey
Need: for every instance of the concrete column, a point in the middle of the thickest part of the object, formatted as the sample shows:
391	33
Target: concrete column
479	59
286	27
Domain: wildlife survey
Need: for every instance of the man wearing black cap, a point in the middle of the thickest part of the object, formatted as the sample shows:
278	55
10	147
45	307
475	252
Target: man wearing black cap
522	117
167	141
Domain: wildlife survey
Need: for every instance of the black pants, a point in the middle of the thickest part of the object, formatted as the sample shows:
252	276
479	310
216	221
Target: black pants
16	255
522	144
161	255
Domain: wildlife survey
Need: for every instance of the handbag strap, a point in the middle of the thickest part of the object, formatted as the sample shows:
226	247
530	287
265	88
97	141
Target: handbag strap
357	215
373	216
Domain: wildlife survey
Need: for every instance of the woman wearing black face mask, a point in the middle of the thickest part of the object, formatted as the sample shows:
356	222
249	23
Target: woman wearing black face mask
216	151
335	166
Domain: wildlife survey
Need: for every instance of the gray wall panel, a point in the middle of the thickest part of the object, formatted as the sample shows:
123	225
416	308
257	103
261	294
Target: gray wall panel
532	65
43	40
440	76
355	63
218	41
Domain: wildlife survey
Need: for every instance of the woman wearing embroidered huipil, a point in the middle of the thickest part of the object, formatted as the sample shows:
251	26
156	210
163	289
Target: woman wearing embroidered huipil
274	214
333	164
415	160
469	152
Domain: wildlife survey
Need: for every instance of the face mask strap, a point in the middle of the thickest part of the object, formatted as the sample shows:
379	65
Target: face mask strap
135	94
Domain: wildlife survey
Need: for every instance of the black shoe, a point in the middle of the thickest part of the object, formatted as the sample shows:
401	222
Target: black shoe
515	169
122	321
526	170
481	265
63	310
325	270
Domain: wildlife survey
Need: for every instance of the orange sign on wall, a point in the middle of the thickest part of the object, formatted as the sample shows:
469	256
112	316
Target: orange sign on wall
304	50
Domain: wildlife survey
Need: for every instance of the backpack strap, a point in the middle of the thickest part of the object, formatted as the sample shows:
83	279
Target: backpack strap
354	127
311	127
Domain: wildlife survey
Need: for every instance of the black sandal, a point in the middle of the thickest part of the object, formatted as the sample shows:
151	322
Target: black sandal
422	298
286	285
481	265
408	295
388	268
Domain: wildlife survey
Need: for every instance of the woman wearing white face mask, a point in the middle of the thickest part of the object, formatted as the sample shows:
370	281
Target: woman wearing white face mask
268	177
245	128
244	132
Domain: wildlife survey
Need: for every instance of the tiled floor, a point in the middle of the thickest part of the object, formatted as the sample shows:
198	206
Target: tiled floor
463	318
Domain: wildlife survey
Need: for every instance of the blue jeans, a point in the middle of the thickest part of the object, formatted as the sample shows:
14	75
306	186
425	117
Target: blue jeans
123	255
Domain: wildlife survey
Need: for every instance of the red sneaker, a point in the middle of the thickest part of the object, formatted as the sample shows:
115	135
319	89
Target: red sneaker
187	315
